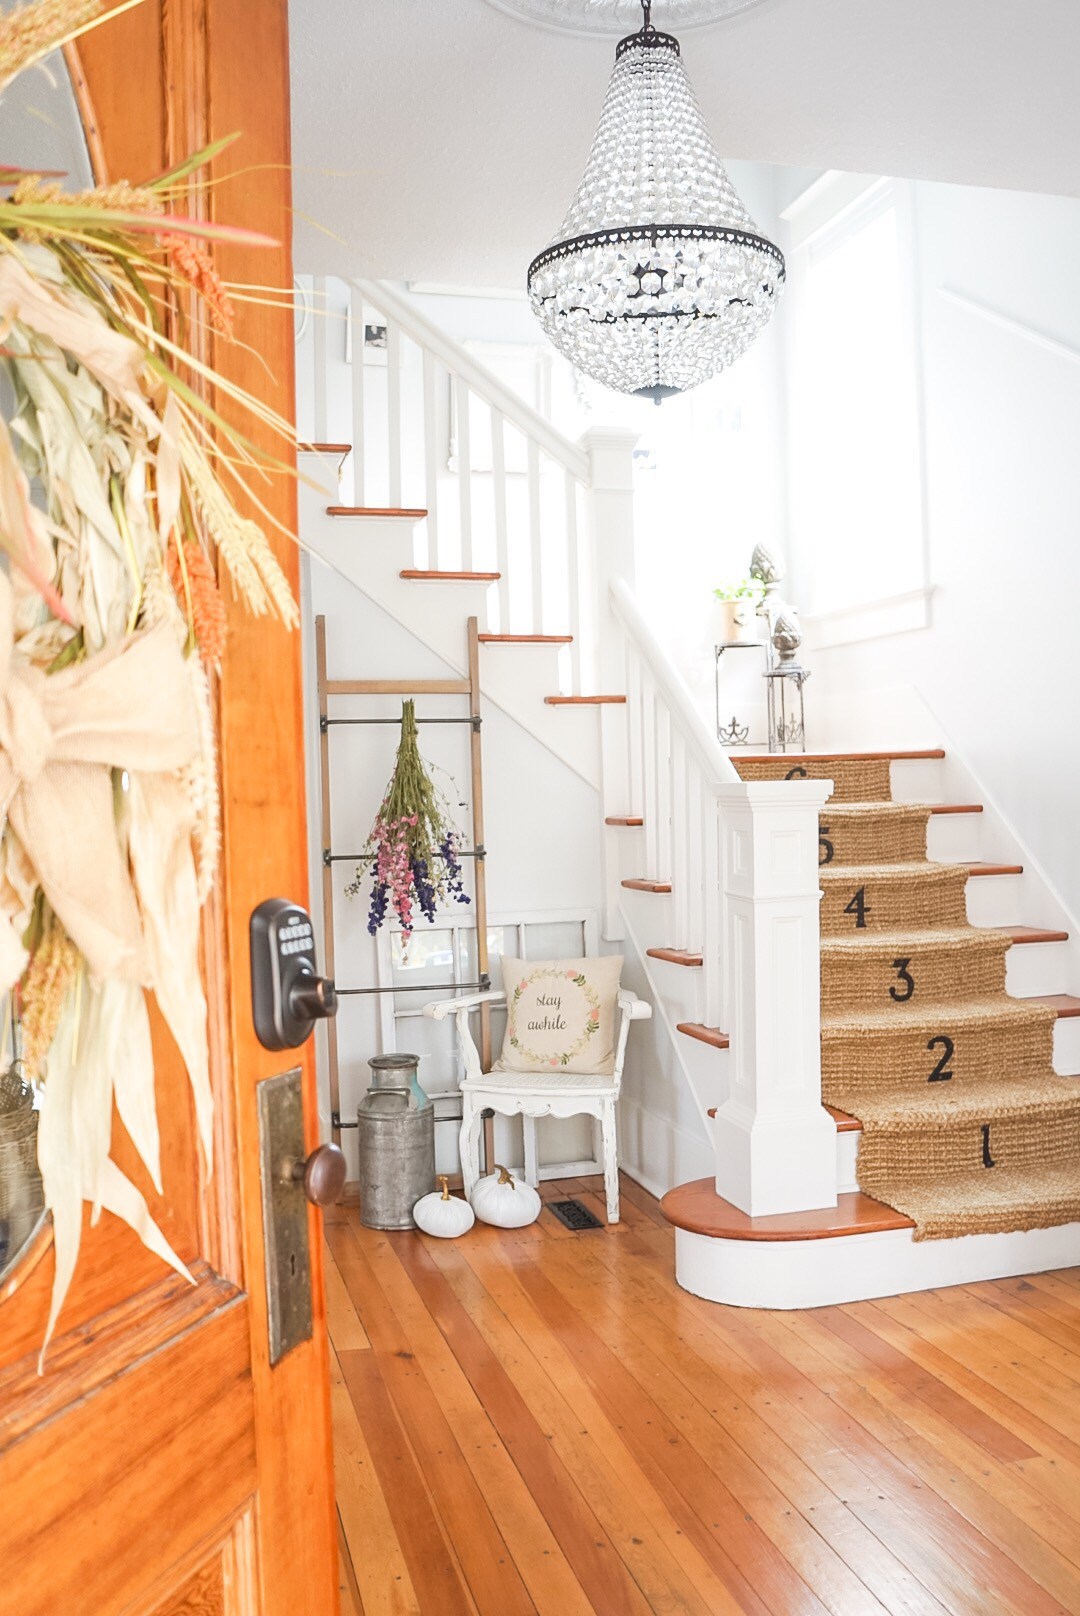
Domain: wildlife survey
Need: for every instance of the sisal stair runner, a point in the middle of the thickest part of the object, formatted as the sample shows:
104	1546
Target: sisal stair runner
965	1125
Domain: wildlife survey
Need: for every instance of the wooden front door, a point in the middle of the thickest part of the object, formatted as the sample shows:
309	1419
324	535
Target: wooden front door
160	1465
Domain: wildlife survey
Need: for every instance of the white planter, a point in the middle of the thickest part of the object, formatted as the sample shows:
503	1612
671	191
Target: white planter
738	620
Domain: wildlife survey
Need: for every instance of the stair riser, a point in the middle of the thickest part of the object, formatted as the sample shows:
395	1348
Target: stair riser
682	988
1067	1046
847	1150
875	1061
918	780
954	838
1032	968
995	900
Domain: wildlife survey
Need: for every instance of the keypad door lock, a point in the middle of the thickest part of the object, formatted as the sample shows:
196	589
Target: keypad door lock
288	995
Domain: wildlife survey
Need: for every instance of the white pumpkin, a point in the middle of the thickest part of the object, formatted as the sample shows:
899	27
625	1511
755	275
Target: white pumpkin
505	1201
444	1215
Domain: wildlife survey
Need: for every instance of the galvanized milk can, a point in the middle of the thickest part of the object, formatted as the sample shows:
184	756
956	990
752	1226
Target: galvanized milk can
396	1139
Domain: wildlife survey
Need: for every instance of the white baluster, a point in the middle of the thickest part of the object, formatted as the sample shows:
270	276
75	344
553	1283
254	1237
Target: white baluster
498	494
356	319
574	624
319	318
648	755
696	799
680	848
431	460
464	471
393	412
536	548
662	730
712	898
636	805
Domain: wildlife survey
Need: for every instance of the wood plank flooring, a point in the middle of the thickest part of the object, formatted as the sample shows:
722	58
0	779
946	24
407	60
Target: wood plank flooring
535	1421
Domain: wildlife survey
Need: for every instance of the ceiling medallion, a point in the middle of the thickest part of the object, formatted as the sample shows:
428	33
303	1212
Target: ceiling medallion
603	17
657	278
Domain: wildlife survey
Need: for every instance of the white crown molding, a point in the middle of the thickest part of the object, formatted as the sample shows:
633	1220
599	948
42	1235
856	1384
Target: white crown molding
602	19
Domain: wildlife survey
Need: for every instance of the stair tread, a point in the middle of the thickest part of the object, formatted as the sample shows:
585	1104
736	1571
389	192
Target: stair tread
926	937
951	1014
1001	1199
1067	1005
453	577
325	448
956	807
703	1034
376	510
982	867
845	1122
1012	1097
584	701
629	821
674	956
636	885
525	639
697	1208
1032	934
835	757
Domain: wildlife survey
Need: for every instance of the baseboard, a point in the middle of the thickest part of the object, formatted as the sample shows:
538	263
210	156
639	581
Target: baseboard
787	1274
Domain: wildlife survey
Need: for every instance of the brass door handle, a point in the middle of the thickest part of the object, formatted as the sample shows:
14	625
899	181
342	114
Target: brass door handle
322	1175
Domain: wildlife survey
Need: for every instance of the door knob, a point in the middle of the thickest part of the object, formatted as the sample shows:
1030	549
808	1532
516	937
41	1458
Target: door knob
322	1175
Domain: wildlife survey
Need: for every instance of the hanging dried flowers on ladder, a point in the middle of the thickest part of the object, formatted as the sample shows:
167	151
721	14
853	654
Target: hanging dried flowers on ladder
111	629
414	846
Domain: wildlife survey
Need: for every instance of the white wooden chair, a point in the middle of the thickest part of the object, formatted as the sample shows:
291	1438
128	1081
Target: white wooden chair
538	1094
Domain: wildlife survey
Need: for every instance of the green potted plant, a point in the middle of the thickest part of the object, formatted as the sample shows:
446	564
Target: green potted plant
736	610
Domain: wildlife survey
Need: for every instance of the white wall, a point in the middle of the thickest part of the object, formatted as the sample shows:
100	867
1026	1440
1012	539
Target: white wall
997	662
542	831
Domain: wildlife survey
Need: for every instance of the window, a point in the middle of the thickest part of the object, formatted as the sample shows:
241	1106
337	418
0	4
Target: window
856	473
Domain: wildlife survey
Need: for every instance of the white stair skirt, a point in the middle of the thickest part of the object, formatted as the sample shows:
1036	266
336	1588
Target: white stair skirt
787	1274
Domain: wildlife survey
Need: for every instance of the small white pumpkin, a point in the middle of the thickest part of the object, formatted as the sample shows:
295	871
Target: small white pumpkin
444	1215
505	1201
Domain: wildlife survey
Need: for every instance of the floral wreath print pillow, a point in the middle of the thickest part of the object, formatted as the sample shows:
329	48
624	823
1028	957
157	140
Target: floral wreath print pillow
560	1015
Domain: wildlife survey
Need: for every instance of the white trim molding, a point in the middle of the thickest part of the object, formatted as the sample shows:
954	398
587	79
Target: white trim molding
869	619
1007	322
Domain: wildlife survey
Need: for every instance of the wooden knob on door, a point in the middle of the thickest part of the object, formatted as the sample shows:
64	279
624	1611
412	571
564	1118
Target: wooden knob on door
322	1175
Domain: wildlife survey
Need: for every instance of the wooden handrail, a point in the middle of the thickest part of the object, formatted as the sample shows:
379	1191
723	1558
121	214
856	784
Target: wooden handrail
713	760
483	382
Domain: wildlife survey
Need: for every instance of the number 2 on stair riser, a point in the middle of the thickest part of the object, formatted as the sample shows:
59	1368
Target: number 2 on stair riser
941	1072
900	966
859	908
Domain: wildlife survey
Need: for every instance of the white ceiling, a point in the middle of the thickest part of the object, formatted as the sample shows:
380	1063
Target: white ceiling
440	140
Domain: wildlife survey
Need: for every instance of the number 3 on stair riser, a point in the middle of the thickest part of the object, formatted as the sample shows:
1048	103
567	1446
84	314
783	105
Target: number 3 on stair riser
900	966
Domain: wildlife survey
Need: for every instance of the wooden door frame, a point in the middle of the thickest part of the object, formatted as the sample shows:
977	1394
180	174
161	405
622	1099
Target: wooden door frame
155	84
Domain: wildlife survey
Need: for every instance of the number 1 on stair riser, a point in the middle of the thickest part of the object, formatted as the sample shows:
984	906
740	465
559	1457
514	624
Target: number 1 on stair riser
988	1160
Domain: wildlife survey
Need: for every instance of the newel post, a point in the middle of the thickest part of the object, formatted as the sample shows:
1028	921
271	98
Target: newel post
775	1142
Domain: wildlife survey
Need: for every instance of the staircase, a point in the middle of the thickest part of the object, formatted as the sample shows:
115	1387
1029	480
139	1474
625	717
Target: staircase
772	903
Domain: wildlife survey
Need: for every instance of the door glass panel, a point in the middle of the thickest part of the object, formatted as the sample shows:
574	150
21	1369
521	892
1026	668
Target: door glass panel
40	128
559	939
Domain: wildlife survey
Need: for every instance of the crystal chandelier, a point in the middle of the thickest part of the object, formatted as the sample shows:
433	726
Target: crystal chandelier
657	278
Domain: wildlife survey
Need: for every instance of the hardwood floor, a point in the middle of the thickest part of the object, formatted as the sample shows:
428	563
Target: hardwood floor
540	1421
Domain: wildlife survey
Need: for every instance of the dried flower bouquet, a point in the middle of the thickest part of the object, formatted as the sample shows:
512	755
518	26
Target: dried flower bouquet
414	846
111	627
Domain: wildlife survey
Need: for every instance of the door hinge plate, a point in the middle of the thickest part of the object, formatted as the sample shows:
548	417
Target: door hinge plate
285	1212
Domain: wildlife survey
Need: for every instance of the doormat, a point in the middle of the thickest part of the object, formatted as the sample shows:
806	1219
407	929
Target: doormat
574	1215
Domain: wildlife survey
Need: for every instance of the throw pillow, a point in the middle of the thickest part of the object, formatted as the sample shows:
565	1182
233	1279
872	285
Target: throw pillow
560	1014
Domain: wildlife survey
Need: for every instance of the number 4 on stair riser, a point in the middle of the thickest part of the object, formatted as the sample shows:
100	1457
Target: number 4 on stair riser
859	908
